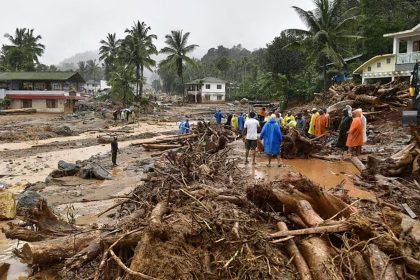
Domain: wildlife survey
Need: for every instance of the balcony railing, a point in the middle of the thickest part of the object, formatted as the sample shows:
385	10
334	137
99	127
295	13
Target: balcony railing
407	58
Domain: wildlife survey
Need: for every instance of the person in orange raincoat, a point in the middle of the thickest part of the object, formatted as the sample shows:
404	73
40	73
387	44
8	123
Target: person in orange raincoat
321	124
355	137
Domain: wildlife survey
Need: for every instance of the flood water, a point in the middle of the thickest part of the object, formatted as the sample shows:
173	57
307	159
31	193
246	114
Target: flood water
325	173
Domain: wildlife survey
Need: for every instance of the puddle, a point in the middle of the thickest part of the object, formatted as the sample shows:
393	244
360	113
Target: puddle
325	173
17	269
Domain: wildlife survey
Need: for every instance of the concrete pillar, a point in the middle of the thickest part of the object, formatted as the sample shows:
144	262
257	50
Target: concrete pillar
396	47
409	46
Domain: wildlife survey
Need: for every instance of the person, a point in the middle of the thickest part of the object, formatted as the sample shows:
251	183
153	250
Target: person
343	129
291	122
327	116
114	150
116	113
241	122
272	137
228	123
364	126
187	126
321	124
314	116
250	136
300	123
218	116
287	118
355	137
234	122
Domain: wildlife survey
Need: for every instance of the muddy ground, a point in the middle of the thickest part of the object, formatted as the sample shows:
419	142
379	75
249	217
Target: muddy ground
31	146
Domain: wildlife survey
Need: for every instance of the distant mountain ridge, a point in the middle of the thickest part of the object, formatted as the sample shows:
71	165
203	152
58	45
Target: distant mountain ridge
71	62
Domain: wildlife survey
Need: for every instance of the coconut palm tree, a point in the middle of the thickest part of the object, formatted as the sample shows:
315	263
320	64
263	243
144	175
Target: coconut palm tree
108	52
24	51
327	31
177	50
82	69
137	49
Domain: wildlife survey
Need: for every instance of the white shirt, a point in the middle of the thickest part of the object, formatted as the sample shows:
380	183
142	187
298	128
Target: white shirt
251	126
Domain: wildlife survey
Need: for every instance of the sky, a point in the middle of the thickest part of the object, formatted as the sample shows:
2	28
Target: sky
68	27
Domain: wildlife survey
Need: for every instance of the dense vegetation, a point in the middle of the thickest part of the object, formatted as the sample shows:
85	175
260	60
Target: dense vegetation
292	66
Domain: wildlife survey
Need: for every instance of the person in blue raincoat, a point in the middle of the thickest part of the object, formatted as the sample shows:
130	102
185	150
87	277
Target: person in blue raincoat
218	116
241	123
272	137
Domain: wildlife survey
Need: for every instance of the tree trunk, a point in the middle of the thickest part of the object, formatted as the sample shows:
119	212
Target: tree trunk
299	261
53	251
317	255
137	80
324	69
141	80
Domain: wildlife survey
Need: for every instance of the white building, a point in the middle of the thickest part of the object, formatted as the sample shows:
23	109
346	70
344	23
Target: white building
206	90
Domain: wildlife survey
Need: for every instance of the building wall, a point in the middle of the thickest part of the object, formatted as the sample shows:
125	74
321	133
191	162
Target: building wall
385	67
40	105
213	92
213	88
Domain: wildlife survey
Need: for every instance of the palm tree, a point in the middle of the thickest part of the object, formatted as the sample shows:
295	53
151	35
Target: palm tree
108	52
137	49
121	81
24	51
327	31
82	69
92	69
177	50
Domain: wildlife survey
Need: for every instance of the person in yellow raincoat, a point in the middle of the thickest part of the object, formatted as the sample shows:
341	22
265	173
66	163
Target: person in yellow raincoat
289	117
315	114
234	123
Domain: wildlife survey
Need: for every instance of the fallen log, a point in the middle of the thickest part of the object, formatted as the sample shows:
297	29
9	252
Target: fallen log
18	111
315	230
167	140
317	255
338	107
382	267
293	250
307	214
358	164
4	268
53	251
145	246
367	99
161	147
361	269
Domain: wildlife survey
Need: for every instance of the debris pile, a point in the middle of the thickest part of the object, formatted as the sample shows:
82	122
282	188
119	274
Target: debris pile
370	97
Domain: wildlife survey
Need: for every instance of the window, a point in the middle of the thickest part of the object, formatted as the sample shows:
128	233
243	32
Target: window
219	98
51	103
27	86
369	69
27	103
388	61
416	46
207	97
207	86
378	65
219	86
56	86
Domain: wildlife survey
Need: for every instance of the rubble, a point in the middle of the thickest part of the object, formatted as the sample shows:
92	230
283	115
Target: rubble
7	205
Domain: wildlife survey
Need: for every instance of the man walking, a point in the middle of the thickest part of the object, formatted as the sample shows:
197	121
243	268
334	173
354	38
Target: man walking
114	150
272	136
250	134
218	116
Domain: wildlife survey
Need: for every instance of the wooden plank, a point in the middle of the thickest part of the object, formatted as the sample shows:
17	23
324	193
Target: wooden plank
409	211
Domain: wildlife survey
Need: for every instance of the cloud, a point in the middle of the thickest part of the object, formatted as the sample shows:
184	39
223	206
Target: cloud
73	26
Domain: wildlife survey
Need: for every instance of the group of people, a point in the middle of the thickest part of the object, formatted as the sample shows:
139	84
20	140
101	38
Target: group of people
124	114
351	130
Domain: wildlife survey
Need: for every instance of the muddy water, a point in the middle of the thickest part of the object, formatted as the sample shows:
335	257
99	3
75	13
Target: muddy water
17	269
325	173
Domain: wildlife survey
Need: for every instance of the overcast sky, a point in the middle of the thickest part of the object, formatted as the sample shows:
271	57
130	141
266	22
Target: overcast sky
73	26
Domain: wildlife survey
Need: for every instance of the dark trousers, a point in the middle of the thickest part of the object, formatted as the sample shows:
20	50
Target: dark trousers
114	158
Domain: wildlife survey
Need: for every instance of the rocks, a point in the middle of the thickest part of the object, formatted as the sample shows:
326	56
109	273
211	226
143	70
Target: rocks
28	200
7	205
91	171
63	131
244	101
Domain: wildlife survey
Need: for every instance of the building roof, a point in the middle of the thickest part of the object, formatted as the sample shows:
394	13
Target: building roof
41	76
406	33
206	80
360	68
348	59
19	94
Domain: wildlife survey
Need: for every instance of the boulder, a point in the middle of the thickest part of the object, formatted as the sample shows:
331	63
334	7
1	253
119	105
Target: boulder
94	172
63	131
28	200
7	205
244	101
